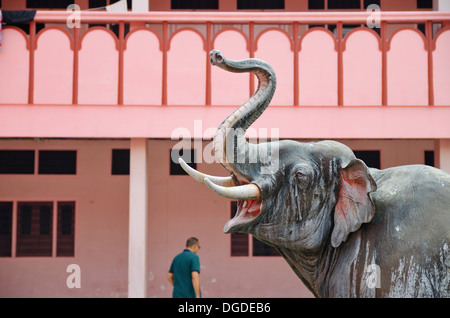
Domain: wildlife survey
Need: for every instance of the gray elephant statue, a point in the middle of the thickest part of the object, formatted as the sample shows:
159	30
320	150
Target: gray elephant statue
345	229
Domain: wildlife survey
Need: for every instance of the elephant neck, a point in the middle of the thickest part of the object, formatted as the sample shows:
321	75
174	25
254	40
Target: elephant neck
314	269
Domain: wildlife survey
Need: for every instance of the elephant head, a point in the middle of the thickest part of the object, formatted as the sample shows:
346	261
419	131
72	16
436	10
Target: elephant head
291	195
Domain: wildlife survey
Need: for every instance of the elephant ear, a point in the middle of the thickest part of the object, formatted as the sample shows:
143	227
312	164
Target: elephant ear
354	205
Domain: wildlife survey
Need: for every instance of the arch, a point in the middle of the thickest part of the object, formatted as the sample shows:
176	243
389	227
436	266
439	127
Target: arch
233	45
15	64
183	30
141	29
356	30
98	67
97	29
441	68
318	68
53	67
63	31
275	47
407	68
273	29
396	32
186	69
228	29
142	69
362	68
314	29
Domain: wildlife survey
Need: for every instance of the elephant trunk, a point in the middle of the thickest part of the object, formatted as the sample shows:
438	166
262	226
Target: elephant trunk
231	148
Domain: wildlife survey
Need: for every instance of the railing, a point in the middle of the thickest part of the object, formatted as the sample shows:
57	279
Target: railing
316	66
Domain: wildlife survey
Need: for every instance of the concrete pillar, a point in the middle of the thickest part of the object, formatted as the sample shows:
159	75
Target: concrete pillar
137	243
442	154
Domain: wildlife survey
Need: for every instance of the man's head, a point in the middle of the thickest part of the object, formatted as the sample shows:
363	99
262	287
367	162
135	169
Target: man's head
192	244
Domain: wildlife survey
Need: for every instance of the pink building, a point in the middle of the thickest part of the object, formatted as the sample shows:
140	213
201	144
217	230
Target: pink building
92	115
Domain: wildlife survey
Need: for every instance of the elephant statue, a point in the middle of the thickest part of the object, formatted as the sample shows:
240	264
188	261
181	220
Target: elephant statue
346	230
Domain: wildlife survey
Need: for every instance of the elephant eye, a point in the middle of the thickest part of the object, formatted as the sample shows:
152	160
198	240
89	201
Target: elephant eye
302	178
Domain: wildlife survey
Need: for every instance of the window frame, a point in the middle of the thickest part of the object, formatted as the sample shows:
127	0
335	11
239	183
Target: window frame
54	226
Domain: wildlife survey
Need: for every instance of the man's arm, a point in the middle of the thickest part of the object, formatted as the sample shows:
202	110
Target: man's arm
170	278
196	283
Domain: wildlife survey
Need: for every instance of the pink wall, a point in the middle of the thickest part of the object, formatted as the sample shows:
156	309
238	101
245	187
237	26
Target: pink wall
142	69
407	69
186	69
101	219
98	70
441	68
362	76
14	60
318	68
53	78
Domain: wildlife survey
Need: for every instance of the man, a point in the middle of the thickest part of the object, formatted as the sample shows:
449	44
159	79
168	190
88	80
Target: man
184	272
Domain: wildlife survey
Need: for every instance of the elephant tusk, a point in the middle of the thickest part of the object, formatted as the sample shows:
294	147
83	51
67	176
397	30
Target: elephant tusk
243	192
200	177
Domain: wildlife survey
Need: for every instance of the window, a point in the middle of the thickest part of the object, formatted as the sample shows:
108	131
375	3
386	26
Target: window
16	161
316	4
57	162
424	4
369	2
66	228
370	157
50	162
240	243
120	162
260	4
195	4
34	229
49	4
103	3
188	156
344	4
97	3
429	158
5	228
340	4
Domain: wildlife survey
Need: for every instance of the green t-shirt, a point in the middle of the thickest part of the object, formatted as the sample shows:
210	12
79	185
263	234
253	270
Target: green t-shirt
182	266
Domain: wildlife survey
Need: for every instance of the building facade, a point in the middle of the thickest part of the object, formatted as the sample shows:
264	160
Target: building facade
96	107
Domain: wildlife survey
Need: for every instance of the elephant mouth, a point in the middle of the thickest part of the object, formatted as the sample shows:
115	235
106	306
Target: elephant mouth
247	212
247	194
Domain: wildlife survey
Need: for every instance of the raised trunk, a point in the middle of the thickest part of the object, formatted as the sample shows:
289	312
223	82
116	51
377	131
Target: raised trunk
230	146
